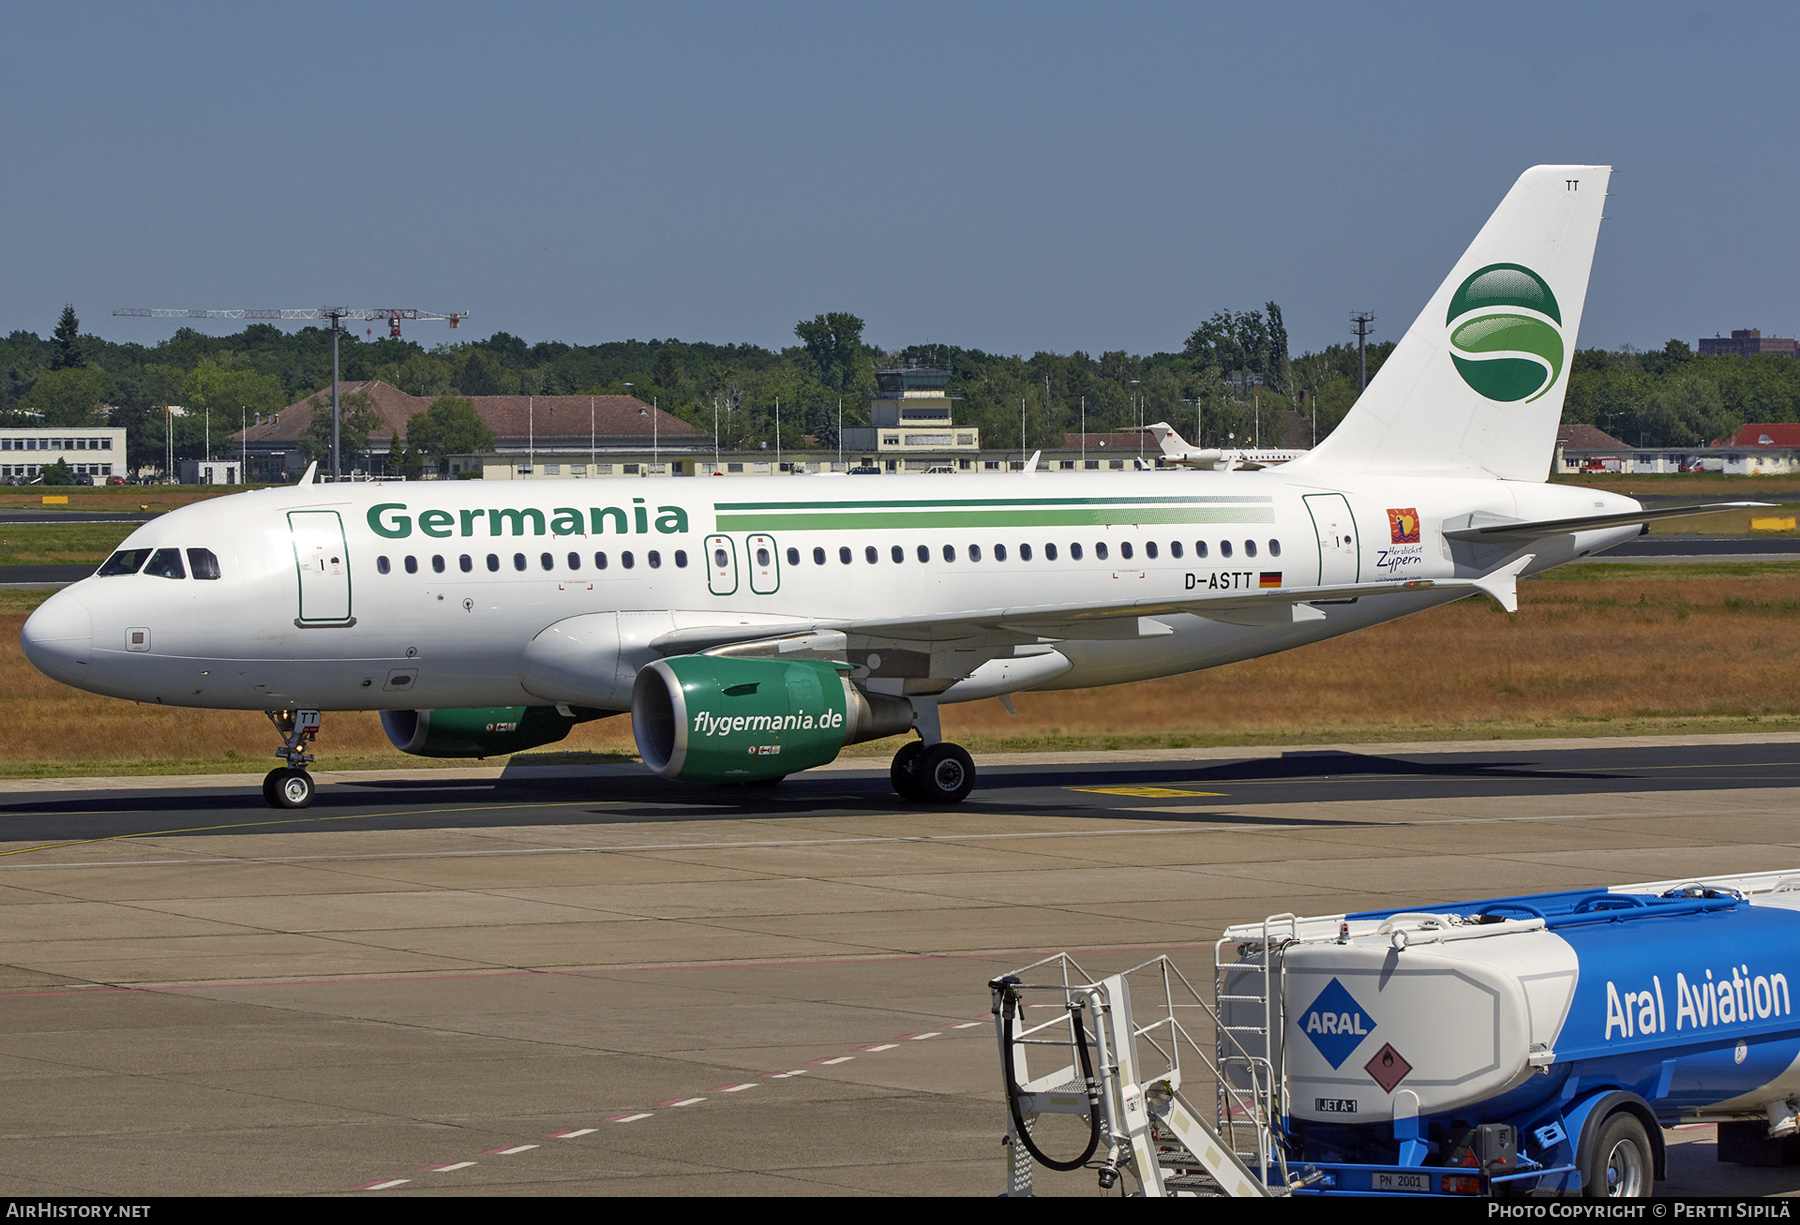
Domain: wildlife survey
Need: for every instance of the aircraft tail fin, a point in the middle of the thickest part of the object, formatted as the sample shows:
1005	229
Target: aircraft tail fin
1172	443
1476	386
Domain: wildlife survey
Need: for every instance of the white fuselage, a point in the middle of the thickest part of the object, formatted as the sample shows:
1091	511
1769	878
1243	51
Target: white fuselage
427	595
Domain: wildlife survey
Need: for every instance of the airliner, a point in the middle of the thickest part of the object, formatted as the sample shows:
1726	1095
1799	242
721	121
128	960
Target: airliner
753	628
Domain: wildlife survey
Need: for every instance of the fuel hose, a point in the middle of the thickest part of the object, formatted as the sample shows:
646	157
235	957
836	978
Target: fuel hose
1009	1010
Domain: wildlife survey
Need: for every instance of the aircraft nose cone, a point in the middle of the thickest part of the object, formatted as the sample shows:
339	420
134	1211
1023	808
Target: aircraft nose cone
57	636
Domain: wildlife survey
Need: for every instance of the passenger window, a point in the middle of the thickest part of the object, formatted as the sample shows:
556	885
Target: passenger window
999	552
1024	552
681	559
1199	548
437	563
600	561
818	557
762	556
721	558
1075	552
574	561
1249	548
1124	550
203	563
899	554
412	564
1049	552
166	563
466	562
974	552
518	561
382	565
793	556
924	553
1174	549
126	561
844	555
1224	548
627	560
1149	549
546	561
654	558
870	555
1100	550
1274	548
493	561
949	552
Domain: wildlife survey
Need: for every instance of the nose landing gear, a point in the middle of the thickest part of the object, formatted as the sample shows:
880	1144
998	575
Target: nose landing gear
290	786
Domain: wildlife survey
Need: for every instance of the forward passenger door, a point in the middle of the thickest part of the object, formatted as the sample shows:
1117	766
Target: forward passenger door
324	567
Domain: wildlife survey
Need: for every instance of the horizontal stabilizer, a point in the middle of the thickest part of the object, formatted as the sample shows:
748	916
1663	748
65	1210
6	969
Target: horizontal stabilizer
1498	529
1503	584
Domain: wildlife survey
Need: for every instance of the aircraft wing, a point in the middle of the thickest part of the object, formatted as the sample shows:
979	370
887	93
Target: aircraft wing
1484	527
1102	620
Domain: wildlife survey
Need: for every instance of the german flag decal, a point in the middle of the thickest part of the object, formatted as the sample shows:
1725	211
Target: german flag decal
1270	578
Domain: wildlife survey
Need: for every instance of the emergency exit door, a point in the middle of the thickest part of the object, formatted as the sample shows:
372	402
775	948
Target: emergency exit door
324	566
721	565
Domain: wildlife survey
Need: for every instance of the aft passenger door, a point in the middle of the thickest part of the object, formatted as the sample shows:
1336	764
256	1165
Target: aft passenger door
324	567
1339	555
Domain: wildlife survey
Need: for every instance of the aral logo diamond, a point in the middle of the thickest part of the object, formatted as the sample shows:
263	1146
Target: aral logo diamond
1336	1023
1506	333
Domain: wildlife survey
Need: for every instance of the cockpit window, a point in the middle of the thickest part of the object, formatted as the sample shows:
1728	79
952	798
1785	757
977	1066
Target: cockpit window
203	563
125	561
166	563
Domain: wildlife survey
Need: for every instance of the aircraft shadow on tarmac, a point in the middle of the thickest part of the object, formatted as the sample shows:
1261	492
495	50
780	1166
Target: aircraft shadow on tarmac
422	801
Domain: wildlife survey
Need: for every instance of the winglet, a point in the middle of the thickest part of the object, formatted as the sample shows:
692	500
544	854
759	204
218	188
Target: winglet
311	473
1503	584
1032	465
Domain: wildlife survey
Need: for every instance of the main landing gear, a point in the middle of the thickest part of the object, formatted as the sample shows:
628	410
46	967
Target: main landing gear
290	786
940	773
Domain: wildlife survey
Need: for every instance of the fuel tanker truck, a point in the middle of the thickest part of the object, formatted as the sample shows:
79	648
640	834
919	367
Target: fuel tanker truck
1522	1045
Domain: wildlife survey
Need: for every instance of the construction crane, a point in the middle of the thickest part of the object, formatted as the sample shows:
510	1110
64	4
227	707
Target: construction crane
392	314
337	315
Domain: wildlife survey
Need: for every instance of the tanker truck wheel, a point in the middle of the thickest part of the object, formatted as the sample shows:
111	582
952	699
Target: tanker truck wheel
1622	1164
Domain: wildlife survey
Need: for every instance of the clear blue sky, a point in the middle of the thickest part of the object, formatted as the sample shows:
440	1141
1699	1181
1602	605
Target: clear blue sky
1011	177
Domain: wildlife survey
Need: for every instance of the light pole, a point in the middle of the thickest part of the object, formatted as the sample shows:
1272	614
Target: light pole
1138	412
628	392
337	318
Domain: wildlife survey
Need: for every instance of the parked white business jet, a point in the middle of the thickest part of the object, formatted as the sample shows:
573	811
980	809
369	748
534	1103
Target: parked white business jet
753	628
1175	450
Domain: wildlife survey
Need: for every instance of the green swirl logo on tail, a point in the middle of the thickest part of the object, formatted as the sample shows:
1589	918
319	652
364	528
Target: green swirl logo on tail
1506	333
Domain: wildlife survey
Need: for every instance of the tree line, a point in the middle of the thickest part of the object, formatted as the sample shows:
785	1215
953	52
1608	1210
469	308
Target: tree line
1233	374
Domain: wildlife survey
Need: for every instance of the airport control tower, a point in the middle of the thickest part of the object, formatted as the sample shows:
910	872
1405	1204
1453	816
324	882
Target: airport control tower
910	427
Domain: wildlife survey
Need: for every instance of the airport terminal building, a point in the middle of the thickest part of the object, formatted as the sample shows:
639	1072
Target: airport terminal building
93	453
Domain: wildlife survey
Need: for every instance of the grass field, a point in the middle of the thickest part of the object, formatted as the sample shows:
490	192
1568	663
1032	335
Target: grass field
1593	650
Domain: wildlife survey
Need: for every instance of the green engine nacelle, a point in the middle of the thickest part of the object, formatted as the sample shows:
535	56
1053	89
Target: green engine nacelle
717	718
486	731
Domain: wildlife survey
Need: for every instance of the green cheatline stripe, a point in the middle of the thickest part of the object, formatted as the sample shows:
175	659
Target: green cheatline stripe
922	503
932	520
